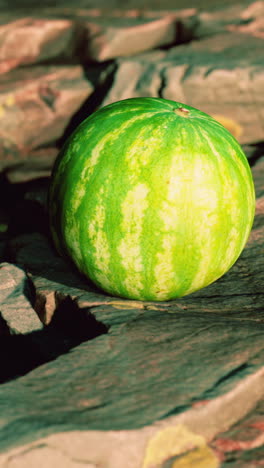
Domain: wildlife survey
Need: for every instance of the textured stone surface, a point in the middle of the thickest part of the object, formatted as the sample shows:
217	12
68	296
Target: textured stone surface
243	445
177	435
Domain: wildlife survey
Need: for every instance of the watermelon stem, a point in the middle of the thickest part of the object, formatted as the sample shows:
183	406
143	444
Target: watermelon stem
182	111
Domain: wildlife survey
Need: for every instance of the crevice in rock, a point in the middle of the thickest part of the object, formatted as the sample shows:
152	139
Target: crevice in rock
163	82
234	374
257	152
69	327
94	101
24	214
174	411
187	73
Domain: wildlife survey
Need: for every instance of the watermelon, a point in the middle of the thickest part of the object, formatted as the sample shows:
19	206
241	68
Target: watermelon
151	199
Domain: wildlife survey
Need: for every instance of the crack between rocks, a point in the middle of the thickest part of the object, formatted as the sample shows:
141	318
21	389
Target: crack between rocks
218	296
163	82
209	393
52	447
188	72
69	327
78	460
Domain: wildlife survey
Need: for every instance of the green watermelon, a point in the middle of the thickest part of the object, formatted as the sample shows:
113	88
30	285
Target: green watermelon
151	199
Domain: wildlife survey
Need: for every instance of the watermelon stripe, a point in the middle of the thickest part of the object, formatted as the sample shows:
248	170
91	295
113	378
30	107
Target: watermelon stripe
214	204
75	195
133	210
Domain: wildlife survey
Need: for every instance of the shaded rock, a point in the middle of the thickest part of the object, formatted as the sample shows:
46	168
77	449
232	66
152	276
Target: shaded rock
36	164
23	205
53	277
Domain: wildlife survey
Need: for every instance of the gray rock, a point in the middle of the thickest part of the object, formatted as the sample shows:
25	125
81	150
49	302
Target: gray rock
15	306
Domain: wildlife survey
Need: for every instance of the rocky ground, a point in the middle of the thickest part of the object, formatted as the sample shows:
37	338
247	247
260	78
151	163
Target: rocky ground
97	381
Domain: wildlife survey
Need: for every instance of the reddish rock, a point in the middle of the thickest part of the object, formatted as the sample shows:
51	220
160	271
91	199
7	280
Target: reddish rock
253	18
37	104
118	37
29	40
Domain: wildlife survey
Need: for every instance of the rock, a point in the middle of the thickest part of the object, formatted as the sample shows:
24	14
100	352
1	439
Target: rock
57	282
232	17
15	306
221	75
30	40
118	37
101	34
94	34
242	445
103	384
253	17
37	105
35	165
115	449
